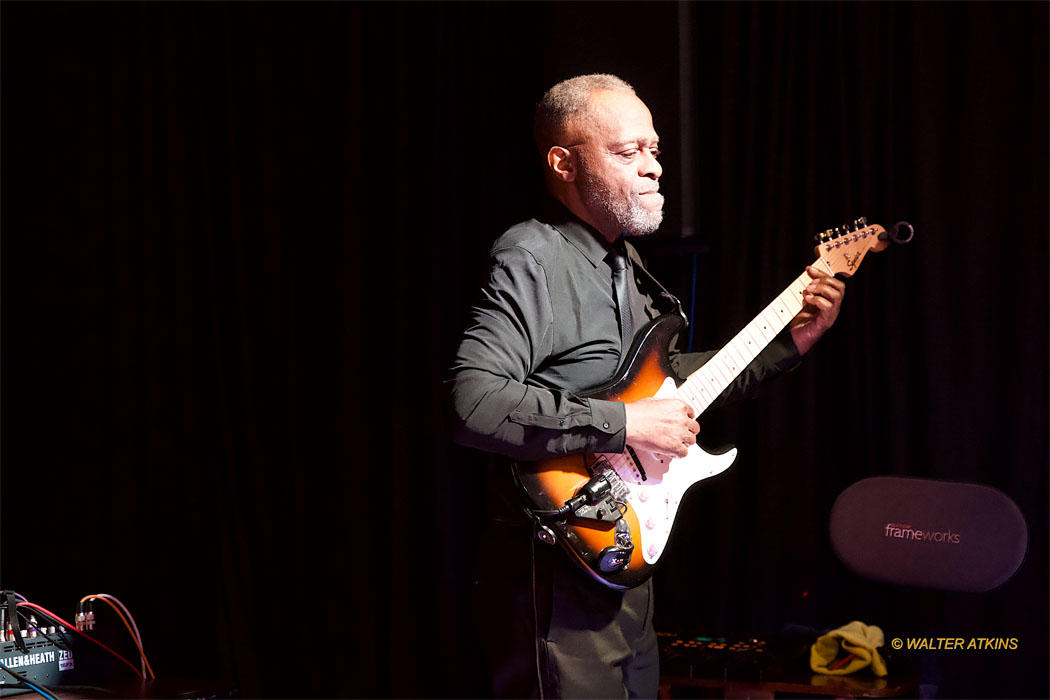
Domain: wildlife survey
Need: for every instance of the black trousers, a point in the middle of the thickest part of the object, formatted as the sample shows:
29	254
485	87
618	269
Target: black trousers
549	630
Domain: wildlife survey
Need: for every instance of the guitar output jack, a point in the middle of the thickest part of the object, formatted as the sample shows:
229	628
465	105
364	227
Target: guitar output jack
545	535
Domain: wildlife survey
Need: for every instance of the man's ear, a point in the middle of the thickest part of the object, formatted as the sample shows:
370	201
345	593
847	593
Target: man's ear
561	162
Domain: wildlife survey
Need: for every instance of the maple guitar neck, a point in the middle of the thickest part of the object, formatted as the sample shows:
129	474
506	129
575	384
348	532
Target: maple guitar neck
839	252
704	385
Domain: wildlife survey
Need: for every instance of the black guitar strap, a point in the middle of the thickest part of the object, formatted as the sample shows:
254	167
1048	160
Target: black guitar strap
665	302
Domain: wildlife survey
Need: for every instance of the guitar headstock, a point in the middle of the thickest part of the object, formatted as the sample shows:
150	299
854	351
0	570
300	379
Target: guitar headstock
840	250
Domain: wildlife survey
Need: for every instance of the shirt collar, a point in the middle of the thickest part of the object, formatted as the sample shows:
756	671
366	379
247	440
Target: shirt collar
587	239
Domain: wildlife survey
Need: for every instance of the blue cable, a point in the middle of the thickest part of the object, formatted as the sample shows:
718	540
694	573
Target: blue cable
25	681
40	691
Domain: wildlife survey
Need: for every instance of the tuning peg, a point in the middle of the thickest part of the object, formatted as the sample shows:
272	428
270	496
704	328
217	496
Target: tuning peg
860	223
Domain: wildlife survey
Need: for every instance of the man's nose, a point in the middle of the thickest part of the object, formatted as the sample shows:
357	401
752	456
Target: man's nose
651	166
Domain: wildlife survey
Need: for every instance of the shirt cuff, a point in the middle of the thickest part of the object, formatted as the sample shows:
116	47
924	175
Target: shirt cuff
782	355
610	418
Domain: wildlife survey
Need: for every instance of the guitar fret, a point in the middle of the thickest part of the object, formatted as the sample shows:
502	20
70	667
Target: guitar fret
781	307
731	359
790	305
754	344
710	386
708	379
726	365
745	346
798	287
697	397
704	392
698	392
718	373
761	328
687	394
738	356
776	322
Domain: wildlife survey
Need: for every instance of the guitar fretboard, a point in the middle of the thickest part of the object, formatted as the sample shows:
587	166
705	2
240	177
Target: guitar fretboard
705	384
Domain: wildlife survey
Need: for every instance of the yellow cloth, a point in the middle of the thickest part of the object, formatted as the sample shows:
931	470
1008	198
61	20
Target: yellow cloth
856	638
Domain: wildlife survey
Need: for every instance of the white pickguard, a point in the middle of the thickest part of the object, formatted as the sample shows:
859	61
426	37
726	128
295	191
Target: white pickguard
655	499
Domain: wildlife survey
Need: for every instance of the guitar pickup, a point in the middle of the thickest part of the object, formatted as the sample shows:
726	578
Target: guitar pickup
637	463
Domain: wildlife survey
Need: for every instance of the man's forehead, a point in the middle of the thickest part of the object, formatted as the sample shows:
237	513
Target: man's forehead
620	118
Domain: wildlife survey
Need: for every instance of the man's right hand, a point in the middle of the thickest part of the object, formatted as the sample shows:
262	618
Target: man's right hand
661	426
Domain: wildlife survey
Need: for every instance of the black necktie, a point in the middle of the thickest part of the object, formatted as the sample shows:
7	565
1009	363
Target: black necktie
618	262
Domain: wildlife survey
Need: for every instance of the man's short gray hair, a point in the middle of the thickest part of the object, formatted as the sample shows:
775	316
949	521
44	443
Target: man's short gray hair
566	101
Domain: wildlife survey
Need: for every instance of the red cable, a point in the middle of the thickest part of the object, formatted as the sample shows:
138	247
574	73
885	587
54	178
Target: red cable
73	628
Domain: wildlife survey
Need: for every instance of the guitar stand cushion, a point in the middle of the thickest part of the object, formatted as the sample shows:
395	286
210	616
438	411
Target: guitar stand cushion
927	533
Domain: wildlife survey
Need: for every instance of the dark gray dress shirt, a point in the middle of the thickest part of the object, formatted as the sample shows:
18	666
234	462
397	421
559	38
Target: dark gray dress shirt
545	330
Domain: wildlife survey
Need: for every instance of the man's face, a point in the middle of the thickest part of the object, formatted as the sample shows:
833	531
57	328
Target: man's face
618	173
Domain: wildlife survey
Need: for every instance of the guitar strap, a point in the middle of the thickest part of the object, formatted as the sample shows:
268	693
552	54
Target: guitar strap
668	301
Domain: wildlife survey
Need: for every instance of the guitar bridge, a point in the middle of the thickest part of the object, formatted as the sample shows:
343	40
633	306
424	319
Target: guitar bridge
618	489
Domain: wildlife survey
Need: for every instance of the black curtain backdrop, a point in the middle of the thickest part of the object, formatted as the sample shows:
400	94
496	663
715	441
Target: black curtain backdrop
239	242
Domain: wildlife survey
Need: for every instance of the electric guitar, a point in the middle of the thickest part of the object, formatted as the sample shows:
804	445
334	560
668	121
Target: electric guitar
605	509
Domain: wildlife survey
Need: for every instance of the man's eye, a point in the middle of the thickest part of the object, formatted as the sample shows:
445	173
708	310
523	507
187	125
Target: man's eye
629	154
655	152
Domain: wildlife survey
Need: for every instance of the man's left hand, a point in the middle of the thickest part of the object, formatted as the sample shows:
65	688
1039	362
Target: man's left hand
822	297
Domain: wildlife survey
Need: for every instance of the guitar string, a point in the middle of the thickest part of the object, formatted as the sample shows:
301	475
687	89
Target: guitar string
723	367
693	391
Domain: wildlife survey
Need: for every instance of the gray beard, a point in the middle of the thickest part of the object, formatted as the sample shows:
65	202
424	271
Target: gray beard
630	216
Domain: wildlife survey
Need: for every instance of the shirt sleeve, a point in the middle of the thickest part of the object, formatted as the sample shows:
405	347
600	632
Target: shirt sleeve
494	406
